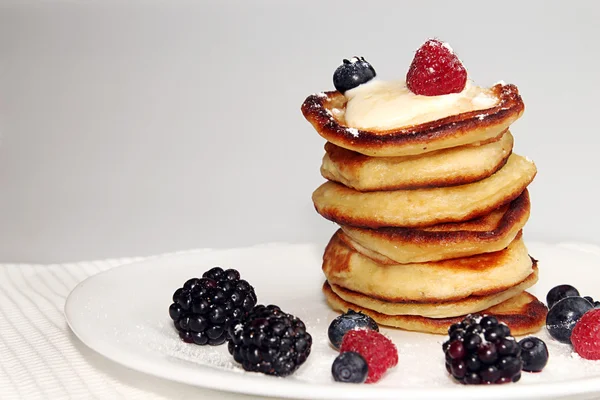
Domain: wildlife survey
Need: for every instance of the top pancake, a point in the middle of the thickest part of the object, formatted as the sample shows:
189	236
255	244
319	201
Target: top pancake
325	112
448	167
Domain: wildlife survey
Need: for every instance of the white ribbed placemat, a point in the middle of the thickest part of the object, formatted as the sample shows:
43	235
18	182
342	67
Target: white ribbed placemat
40	358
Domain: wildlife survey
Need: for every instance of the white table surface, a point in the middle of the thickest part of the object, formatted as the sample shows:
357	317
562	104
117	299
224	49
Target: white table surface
40	357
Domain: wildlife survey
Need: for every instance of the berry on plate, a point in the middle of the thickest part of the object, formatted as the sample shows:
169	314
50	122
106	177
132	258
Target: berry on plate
586	335
348	321
270	341
559	292
350	367
482	351
436	70
534	354
595	303
352	73
563	316
378	351
204	308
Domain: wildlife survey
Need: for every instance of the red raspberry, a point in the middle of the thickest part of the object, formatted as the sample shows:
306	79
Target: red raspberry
436	70
586	335
378	351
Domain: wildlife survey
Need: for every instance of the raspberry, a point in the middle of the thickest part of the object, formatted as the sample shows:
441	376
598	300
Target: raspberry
378	351
436	70
586	335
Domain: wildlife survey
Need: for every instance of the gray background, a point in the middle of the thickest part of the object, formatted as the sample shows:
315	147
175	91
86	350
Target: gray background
133	128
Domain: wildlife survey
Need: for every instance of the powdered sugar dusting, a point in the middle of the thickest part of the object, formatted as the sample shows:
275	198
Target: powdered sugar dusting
436	43
353	131
446	45
238	328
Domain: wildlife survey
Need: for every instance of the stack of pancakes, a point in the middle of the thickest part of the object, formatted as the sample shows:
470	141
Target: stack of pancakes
431	217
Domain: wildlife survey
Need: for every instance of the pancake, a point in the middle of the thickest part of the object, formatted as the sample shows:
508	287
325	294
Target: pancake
449	167
489	233
523	313
325	111
433	282
424	207
443	309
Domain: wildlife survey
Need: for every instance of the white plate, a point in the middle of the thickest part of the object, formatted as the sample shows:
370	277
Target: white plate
123	314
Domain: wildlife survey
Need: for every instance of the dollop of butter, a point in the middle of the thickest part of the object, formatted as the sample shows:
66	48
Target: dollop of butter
386	105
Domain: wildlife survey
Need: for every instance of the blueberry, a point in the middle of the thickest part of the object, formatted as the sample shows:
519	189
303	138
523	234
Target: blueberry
352	73
350	367
558	293
534	354
348	321
561	318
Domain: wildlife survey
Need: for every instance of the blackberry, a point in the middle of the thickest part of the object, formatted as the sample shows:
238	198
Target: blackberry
270	341
482	351
204	308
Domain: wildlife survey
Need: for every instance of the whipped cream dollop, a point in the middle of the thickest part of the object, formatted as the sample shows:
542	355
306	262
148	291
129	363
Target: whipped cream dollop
385	105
